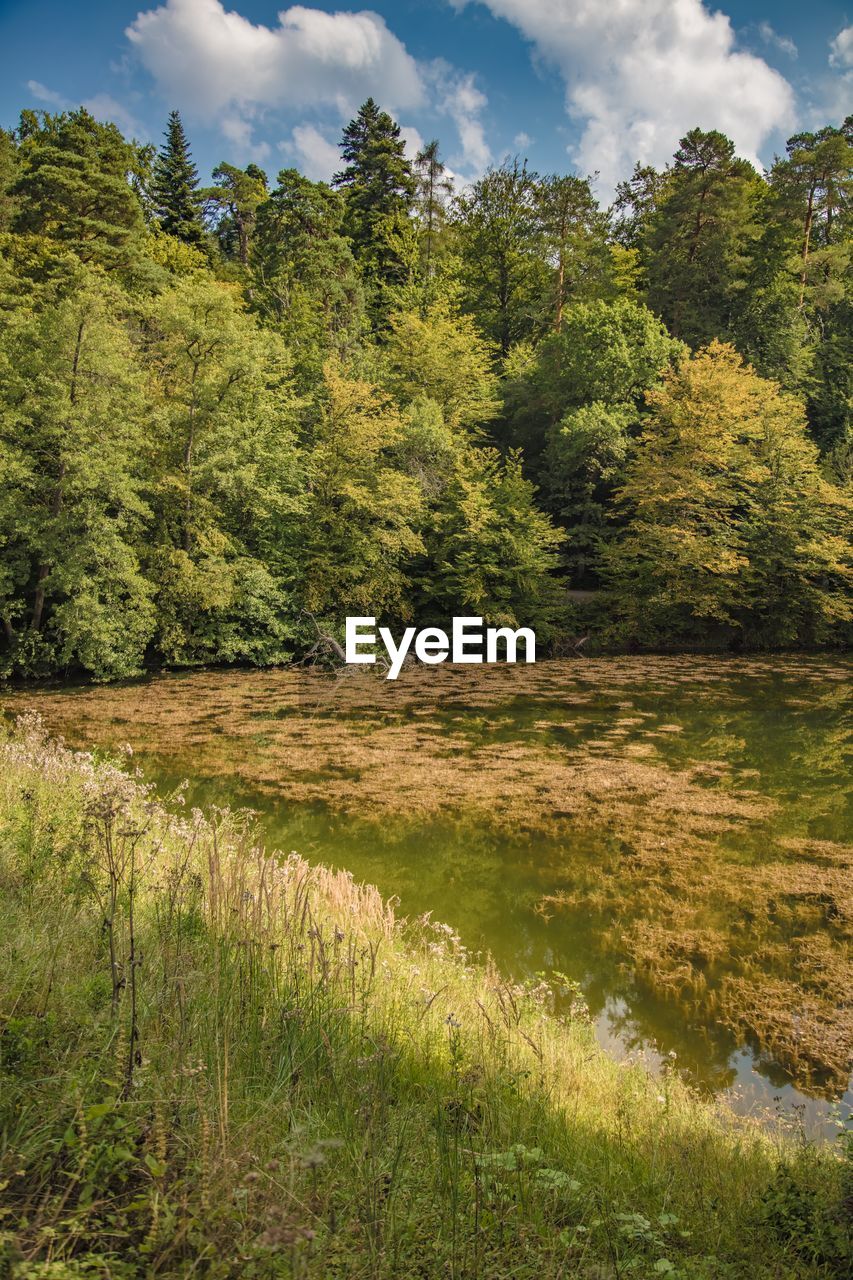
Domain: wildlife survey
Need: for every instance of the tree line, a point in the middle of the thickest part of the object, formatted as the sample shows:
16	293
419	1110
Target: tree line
227	411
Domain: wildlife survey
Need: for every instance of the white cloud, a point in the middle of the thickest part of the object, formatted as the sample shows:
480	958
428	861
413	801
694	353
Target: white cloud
522	140
206	59
105	108
783	43
318	158
49	96
456	95
215	63
102	106
413	140
838	83
841	49
640	73
238	130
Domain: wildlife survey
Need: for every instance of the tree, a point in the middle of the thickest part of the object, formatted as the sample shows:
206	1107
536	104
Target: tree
364	512
700	237
233	205
303	275
732	529
636	200
8	175
72	498
491	552
442	357
434	189
175	191
814	187
504	271
73	187
228	479
378	185
574	410
574	236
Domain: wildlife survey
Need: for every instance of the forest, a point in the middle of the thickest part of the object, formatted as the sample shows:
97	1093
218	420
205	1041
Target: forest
231	414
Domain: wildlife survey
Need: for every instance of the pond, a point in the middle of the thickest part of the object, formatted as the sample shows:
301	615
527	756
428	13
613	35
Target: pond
670	835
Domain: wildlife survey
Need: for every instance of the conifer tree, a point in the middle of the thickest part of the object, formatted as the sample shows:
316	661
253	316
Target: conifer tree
177	198
379	188
72	186
701	236
434	189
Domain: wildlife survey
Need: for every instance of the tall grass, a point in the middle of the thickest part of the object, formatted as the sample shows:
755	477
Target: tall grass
217	1060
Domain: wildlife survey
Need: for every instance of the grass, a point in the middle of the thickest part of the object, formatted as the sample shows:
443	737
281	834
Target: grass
220	1061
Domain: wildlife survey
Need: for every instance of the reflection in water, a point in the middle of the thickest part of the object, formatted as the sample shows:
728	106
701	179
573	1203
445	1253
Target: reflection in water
665	833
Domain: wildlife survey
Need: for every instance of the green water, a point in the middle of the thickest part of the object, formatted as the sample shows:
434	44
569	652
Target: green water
777	731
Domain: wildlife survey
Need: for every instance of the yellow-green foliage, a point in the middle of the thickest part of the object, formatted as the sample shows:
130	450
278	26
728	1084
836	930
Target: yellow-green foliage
220	1061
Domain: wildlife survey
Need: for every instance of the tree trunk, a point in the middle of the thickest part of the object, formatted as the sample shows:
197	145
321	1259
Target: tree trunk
807	236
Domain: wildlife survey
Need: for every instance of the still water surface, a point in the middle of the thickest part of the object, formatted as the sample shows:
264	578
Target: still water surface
672	835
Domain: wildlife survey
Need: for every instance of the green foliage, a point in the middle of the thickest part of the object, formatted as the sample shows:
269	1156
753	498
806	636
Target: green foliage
363	511
700	235
492	552
442	357
504	271
304	279
378	184
574	408
72	502
226	476
234	202
72	187
730	523
379	397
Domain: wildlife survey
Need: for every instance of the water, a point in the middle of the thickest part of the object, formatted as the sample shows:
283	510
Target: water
668	834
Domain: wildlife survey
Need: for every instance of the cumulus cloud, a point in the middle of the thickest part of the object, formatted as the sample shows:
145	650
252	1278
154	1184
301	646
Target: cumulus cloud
464	102
318	158
207	59
215	63
455	94
413	140
841	49
639	73
838	84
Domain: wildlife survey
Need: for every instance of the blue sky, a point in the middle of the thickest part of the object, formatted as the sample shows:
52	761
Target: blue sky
574	85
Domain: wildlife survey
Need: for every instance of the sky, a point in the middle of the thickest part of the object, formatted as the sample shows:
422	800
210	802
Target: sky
574	86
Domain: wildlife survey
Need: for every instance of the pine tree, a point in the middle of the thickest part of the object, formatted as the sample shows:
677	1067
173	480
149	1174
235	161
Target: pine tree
72	186
701	236
235	201
433	191
177	198
379	189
